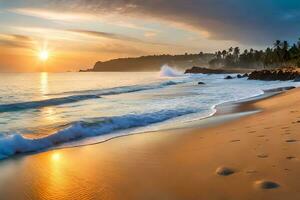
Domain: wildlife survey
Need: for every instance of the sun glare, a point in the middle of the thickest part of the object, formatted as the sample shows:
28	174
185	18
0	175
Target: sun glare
55	157
43	55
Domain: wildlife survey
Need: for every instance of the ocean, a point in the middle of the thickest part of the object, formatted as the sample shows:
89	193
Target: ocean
41	111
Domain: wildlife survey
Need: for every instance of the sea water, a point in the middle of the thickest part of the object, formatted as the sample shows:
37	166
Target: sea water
39	111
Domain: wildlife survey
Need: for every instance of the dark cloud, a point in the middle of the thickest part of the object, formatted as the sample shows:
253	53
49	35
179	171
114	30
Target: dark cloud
245	21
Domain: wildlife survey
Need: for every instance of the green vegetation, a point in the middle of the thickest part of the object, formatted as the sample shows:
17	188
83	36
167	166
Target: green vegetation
280	55
153	62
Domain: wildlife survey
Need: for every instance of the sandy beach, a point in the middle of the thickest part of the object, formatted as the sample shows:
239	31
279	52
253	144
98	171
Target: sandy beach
252	157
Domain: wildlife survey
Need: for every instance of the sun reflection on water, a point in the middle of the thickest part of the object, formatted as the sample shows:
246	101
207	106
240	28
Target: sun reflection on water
44	83
56	157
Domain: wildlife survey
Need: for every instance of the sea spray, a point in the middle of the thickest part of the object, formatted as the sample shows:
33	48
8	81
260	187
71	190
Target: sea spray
167	71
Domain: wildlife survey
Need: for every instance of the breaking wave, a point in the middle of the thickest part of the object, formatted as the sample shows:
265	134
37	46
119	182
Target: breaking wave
167	71
16	143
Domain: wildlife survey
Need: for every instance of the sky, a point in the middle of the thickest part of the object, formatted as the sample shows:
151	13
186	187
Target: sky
77	33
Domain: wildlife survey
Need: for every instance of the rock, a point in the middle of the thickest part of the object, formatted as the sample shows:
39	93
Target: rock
275	74
201	83
203	70
297	79
239	76
228	77
224	171
245	75
264	184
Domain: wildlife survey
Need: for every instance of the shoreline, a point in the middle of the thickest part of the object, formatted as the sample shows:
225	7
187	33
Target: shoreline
173	164
225	112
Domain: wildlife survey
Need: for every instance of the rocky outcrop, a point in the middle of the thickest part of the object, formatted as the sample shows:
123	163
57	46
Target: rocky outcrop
242	76
282	74
203	70
275	74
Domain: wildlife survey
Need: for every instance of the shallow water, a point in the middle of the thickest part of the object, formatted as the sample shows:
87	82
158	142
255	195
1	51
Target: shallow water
43	110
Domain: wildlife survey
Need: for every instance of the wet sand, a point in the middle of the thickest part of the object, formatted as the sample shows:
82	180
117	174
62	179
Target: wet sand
252	157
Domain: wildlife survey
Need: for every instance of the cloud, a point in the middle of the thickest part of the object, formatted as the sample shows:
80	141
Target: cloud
104	35
53	15
15	41
100	34
247	21
150	34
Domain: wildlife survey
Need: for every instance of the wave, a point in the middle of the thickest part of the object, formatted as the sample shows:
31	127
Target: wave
16	143
44	103
85	95
167	71
122	89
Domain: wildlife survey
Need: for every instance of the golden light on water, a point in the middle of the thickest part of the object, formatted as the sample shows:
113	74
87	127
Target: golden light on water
56	157
44	83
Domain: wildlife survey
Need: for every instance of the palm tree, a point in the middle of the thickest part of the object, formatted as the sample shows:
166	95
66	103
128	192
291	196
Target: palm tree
224	53
236	53
277	44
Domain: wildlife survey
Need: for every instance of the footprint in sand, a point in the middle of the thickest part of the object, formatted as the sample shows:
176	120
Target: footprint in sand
261	136
235	141
224	171
251	171
290	141
287	132
265	184
285	127
290	157
262	156
252	132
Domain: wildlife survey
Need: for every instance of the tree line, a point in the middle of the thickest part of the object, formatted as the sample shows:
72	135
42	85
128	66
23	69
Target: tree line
282	54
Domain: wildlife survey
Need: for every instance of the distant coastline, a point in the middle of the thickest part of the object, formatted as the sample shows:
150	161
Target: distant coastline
281	55
152	62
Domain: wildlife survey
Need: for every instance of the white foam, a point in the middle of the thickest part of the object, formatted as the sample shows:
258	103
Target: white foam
16	143
167	71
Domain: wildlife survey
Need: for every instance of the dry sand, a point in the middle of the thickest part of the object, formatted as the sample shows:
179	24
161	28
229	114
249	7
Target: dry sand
253	157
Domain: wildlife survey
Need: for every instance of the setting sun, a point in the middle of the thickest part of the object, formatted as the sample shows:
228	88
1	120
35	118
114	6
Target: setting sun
43	55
